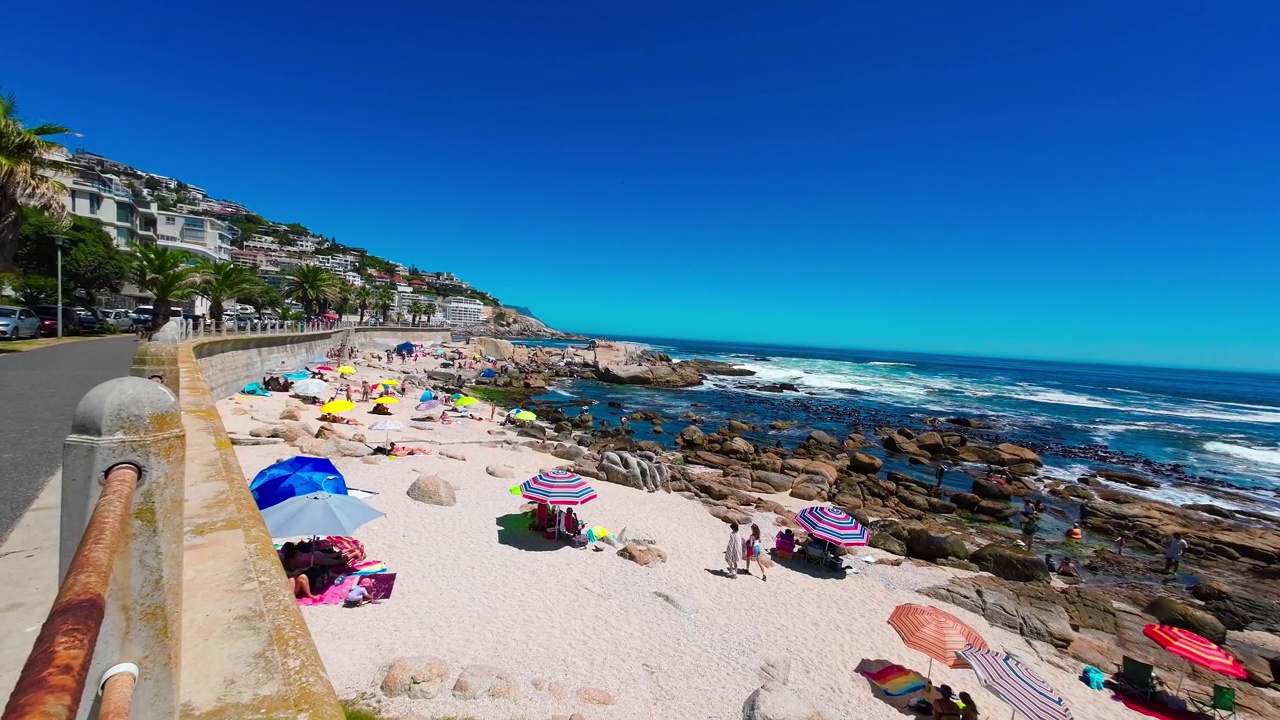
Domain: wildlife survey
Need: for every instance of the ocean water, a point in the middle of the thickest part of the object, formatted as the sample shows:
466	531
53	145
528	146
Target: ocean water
1222	428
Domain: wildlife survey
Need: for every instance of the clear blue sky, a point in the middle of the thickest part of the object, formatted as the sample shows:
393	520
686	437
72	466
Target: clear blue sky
1091	180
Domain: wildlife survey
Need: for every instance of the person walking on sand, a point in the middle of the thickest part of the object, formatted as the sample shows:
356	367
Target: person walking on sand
364	391
731	552
1174	552
753	550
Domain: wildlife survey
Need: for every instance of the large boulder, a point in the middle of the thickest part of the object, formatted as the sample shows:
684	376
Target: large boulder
925	544
432	490
887	543
864	464
965	501
775	701
1023	454
692	437
479	681
819	437
642	554
991	490
417	678
776	482
1168	611
808	491
500	349
500	471
1011	562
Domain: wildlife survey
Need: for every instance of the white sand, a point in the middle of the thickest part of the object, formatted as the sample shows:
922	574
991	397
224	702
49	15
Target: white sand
584	618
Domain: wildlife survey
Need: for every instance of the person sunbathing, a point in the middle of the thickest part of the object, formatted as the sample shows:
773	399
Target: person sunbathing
337	419
304	568
380	409
405	450
944	706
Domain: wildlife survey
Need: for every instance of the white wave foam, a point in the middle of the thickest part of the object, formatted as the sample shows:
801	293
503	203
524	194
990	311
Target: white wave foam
558	391
880	363
1261	455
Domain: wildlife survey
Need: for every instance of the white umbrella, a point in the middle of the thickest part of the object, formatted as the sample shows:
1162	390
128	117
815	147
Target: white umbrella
313	387
388	426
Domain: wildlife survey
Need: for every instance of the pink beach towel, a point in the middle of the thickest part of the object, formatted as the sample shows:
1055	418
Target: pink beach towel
335	595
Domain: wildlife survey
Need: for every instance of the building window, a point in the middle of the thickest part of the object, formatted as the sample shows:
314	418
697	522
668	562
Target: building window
170	220
95	204
124	214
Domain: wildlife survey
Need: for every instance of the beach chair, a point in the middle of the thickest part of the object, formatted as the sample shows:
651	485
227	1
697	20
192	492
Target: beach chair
784	546
814	554
1222	705
1134	677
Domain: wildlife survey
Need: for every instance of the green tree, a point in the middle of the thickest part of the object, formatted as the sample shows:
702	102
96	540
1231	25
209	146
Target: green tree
263	297
219	282
91	263
36	290
430	311
313	287
169	275
364	300
385	300
500	317
415	311
25	158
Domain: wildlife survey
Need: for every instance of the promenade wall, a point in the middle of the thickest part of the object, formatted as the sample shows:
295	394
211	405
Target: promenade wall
228	364
375	338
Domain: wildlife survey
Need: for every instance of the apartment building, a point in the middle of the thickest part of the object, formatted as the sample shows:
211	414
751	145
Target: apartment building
105	198
261	243
205	237
337	263
352	278
462	311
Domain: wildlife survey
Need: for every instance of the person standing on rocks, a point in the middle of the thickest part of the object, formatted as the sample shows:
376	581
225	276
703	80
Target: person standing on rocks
1174	552
940	473
731	553
1029	527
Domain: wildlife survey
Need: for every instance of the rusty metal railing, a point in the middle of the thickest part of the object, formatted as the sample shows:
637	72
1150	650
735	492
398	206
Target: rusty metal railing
53	679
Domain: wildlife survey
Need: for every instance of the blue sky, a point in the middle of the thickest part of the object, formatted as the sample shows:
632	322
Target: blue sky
1090	180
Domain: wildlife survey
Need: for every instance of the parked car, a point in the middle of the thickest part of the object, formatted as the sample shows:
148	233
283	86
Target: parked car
89	322
17	322
48	315
118	319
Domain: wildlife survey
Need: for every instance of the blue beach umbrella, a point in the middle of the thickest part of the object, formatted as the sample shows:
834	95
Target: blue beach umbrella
319	514
319	360
405	347
488	372
295	476
426	395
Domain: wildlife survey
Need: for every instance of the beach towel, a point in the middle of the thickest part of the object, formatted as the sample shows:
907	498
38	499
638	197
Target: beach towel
255	390
368	567
895	680
334	595
1092	677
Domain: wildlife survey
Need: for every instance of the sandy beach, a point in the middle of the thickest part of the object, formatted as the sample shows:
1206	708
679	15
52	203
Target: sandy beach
673	640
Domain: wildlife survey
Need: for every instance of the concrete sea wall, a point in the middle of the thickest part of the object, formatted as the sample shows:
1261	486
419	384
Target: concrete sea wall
228	364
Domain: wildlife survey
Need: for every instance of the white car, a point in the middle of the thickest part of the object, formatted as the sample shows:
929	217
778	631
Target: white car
119	319
16	322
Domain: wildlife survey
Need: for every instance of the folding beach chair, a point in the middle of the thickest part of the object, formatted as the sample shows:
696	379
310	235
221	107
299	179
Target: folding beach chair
1135	677
1222	705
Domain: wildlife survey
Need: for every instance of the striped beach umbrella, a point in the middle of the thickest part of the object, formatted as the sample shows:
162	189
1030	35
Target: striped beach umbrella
833	525
1016	684
1195	649
936	633
557	487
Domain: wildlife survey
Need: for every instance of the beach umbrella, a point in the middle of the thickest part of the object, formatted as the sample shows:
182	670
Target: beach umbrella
1195	649
317	359
296	476
488	373
346	370
337	406
1016	684
389	383
324	368
310	387
425	396
833	525
934	632
557	487
318	514
387	426
300	375
525	415
465	401
385	401
428	405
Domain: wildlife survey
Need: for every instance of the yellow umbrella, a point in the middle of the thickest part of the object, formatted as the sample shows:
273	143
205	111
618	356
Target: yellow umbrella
346	370
385	401
465	401
526	415
337	406
389	382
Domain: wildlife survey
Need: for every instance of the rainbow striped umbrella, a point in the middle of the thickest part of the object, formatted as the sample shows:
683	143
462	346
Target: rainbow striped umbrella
557	487
1016	684
833	525
936	633
1195	649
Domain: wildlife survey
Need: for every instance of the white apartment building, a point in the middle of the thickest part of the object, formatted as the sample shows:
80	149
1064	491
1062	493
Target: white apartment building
337	263
128	220
202	236
352	278
462	311
261	243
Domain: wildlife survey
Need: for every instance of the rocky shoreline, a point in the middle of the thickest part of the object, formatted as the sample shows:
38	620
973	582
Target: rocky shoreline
1229	591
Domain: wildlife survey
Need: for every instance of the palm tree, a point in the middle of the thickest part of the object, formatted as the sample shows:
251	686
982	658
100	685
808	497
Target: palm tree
168	275
429	311
313	287
364	299
386	299
415	310
219	282
25	158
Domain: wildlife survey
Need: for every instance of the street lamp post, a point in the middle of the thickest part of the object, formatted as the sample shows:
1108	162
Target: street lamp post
58	241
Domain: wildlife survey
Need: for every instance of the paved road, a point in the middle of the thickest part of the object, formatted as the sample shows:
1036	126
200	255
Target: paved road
40	390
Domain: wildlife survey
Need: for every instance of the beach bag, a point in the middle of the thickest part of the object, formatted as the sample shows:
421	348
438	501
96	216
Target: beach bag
1092	677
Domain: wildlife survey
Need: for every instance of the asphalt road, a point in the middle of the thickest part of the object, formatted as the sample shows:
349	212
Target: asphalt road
39	391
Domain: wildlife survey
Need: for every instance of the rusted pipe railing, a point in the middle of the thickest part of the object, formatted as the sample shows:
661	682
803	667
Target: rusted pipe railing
52	681
117	692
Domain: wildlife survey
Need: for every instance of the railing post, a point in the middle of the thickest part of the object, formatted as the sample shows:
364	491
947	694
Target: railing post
120	556
159	356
